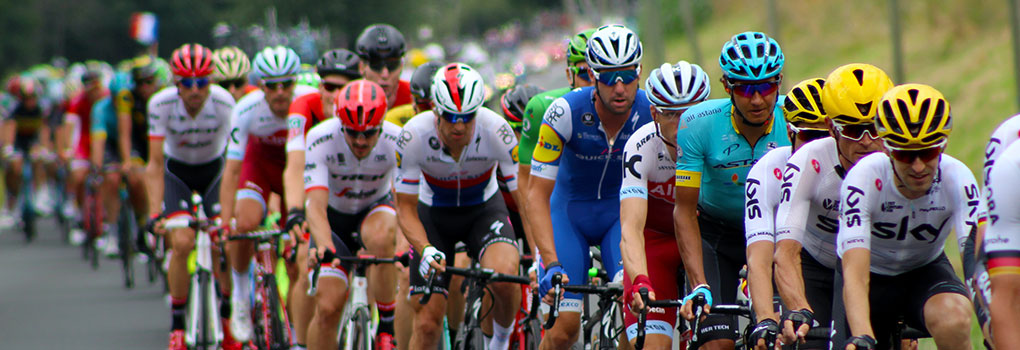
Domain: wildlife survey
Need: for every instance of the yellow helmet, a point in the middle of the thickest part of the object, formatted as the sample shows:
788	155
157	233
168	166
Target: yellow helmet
852	93
914	115
803	103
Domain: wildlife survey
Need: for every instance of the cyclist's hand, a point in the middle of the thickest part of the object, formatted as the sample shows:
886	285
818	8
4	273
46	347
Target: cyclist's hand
796	325
766	330
633	296
295	224
126	167
533	275
154	224
327	253
431	259
861	342
545	285
687	311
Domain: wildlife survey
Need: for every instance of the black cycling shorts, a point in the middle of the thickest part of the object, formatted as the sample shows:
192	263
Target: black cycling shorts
897	297
818	281
346	228
478	226
181	179
723	253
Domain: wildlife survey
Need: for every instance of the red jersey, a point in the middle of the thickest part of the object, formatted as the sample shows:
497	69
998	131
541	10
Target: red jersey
81	106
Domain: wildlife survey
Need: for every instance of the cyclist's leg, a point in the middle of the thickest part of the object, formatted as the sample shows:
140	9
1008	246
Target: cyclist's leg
718	331
378	234
135	179
12	179
404	313
428	318
492	237
109	191
249	207
572	251
330	298
177	202
818	284
301	306
946	306
664	260
76	182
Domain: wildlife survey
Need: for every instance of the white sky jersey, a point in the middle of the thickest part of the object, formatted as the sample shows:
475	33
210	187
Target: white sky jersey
1002	137
809	208
905	234
1003	196
761	195
353	184
252	117
648	169
190	140
427	169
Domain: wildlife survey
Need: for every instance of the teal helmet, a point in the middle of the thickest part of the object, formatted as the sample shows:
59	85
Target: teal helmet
751	56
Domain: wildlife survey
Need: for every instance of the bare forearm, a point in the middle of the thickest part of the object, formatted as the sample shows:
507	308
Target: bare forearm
96	156
154	181
789	275
522	209
633	212
410	224
759	278
293	180
124	136
318	222
856	279
541	222
688	237
228	189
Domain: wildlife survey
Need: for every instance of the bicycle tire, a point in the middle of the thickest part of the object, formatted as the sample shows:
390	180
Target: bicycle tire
532	334
278	320
362	340
260	325
204	338
126	242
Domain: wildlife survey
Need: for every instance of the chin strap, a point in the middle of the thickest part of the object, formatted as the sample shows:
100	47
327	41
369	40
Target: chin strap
664	140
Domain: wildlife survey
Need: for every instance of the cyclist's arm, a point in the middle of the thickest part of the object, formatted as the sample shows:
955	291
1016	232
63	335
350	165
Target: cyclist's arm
98	146
123	106
791	218
554	132
293	184
856	278
315	213
541	221
315	186
228	189
154	170
760	198
407	186
100	112
529	135
633	213
410	224
689	167
8	128
853	244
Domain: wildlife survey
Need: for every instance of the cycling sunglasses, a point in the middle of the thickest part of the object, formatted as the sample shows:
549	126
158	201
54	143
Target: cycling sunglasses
146	81
808	134
189	83
233	83
671	112
610	78
908	155
581	73
749	89
366	133
390	65
279	84
855	132
457	117
330	87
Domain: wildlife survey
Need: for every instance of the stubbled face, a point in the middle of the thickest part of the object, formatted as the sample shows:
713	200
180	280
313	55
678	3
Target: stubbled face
455	135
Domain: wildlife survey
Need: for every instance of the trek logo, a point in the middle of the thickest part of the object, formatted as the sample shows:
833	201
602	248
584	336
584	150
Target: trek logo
630	163
853	212
346	192
322	139
751	193
338	158
361	177
899	231
786	189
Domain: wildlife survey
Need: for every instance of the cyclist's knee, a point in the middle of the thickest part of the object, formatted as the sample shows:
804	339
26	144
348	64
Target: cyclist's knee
502	258
948	313
428	323
183	240
330	299
381	233
564	332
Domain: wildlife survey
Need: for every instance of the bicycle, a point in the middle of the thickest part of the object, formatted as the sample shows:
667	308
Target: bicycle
528	332
203	329
272	324
64	218
606	317
356	327
126	227
469	335
92	219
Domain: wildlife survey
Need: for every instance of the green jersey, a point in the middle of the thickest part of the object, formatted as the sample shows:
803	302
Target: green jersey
533	113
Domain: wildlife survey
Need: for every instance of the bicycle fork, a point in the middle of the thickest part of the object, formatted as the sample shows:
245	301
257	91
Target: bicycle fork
203	308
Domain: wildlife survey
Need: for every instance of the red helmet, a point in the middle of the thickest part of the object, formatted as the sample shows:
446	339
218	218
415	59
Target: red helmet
13	85
361	105
191	60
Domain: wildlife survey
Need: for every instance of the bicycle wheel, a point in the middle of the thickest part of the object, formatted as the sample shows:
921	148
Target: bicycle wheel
532	334
279	324
261	322
126	242
362	340
205	338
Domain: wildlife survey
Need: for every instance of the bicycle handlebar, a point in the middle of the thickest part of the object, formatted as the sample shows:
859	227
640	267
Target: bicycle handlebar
554	309
259	235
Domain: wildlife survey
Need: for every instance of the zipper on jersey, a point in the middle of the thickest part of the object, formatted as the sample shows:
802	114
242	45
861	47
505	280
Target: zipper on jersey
609	154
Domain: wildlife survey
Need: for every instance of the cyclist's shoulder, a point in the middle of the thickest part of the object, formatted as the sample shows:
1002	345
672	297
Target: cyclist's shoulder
955	170
776	156
821	149
644	137
1009	129
249	102
874	167
390	131
324	129
579	97
221	98
165	97
305	104
421	124
709	112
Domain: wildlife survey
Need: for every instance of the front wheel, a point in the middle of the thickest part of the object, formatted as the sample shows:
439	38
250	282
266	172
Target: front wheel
279	323
362	338
126	242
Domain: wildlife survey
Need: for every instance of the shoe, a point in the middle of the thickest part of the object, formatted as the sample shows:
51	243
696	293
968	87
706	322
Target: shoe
112	247
177	340
6	219
384	341
69	211
77	237
229	342
240	319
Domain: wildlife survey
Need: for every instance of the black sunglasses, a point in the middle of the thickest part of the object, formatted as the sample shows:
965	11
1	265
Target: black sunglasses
366	134
236	83
330	87
377	65
276	85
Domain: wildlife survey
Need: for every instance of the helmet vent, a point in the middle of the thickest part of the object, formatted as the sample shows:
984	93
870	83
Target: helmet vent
859	74
864	108
921	113
913	95
802	99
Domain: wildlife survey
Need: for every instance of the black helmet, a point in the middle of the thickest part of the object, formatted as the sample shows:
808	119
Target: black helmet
515	99
380	41
338	61
421	80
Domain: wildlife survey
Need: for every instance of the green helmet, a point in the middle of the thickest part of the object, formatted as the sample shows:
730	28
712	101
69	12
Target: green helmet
308	79
577	48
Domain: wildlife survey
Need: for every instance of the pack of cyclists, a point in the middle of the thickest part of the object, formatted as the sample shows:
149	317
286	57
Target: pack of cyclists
832	202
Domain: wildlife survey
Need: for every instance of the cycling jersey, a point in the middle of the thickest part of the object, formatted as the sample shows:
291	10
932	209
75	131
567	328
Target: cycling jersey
403	94
533	113
715	157
127	102
353	184
428	170
79	112
400	115
1002	137
104	120
1002	242
191	140
28	121
903	234
251	116
7	104
305	112
572	138
761	195
810	207
648	170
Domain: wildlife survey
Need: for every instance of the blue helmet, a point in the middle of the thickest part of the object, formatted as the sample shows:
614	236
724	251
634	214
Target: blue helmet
751	56
121	81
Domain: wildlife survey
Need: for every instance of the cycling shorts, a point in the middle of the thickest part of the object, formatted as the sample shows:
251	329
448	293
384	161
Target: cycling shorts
666	271
23	145
518	225
259	178
897	297
344	228
818	281
723	253
181	179
478	226
575	230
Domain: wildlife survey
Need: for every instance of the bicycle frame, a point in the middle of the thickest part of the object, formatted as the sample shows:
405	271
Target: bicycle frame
274	334
203	306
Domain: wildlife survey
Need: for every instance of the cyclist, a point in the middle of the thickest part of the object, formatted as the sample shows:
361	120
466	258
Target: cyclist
894	210
231	67
349	173
335	68
808	214
78	120
189	125
584	133
254	166
721	140
446	193
1001	243
513	103
381	48
419	86
26	133
578	76
645	223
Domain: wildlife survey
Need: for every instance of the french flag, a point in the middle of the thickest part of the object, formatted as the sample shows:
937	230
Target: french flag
144	27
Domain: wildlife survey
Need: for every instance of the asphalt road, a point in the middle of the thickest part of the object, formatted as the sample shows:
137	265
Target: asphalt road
51	299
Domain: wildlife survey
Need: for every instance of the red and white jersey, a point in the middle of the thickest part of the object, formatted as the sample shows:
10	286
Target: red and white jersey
255	126
305	112
809	208
428	170
648	171
191	140
904	234
353	184
761	195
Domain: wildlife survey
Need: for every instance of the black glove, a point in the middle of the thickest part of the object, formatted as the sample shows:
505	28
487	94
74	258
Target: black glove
863	342
150	223
295	217
799	317
766	329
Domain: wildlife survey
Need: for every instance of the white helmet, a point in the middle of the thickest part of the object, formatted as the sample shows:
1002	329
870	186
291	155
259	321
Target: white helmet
458	89
682	83
276	61
613	46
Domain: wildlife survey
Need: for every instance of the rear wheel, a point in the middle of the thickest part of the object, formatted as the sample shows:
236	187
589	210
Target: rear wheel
205	337
279	324
261	322
125	228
